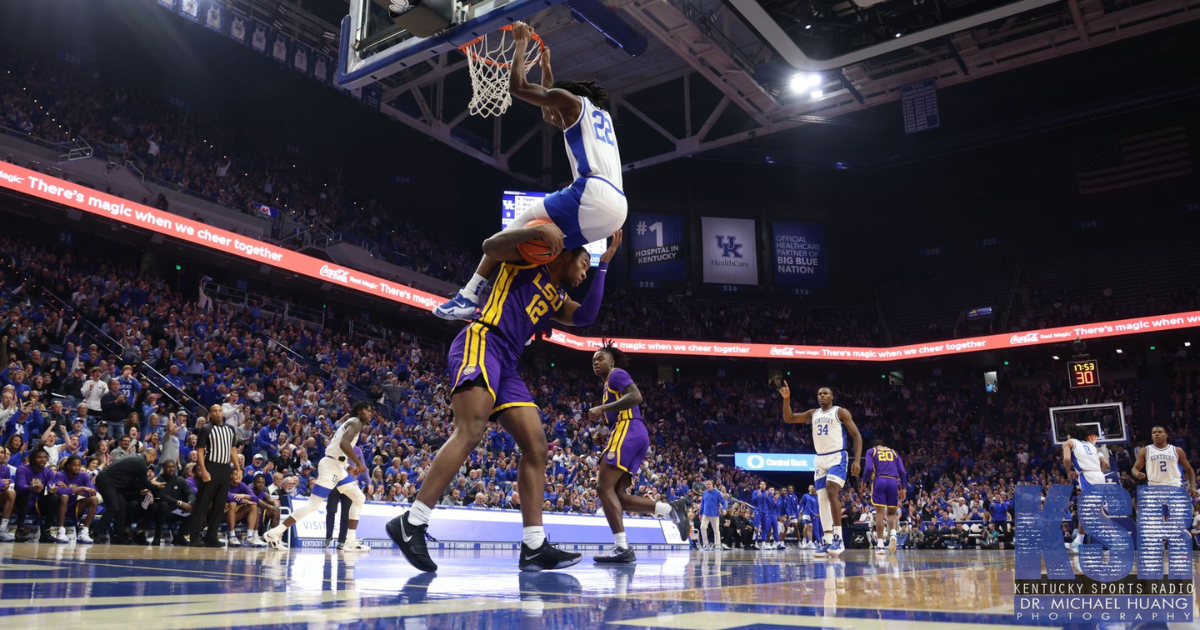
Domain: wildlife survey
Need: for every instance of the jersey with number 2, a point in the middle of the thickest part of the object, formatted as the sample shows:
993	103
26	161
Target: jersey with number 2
592	145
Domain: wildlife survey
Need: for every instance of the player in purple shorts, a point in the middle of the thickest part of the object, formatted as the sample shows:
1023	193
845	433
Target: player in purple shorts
622	457
75	491
888	478
486	386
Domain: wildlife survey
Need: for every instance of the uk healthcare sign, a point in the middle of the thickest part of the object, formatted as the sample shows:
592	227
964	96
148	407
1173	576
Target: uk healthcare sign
775	462
1123	575
728	251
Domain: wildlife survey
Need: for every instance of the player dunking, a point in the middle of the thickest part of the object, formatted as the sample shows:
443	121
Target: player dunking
593	207
1162	462
885	471
621	459
830	425
487	386
1085	463
336	470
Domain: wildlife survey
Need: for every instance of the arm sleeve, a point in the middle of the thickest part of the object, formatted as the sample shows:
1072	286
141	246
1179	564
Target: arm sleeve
60	480
22	480
903	473
590	307
869	469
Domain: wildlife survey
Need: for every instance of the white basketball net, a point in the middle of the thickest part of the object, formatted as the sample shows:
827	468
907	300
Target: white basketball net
489	60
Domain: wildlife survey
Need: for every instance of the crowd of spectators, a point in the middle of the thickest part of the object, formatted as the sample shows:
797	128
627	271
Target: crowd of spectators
55	101
1036	309
128	362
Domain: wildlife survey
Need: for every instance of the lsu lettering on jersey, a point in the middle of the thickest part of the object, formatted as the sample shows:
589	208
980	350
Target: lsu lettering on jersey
592	145
334	449
1162	466
828	435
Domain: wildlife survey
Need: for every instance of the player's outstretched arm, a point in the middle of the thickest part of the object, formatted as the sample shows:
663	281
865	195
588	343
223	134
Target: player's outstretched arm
549	114
502	245
1188	472
852	429
584	313
568	105
804	417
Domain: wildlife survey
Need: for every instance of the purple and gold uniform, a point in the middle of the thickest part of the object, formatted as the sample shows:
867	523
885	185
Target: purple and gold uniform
522	303
627	436
887	475
65	482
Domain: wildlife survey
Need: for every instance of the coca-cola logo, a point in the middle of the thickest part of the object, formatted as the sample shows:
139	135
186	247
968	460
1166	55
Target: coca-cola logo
1026	338
341	275
786	351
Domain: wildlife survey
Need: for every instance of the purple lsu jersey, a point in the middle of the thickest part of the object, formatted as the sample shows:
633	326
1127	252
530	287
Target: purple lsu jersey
65	482
628	439
522	303
886	472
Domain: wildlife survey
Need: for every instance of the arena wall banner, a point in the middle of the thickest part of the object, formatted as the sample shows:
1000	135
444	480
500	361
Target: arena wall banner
728	250
799	254
776	462
1064	334
657	243
93	202
214	16
190	9
260	36
280	47
238	26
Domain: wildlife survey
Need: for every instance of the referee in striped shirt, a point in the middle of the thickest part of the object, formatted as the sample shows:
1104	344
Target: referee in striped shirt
215	444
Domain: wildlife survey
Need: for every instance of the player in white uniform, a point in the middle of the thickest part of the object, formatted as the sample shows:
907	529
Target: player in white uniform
1084	461
1163	462
829	440
336	470
593	207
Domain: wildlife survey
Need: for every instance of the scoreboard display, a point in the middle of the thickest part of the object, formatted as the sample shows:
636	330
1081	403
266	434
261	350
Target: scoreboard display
1084	373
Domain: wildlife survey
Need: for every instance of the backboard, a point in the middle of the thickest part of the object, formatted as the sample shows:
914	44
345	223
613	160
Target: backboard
375	43
1108	420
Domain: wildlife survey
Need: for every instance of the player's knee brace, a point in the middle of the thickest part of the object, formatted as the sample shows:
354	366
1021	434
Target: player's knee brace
357	499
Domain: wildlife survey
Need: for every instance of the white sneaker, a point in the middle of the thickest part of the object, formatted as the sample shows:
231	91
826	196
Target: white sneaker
274	540
234	542
255	541
726	548
7	536
881	551
355	545
891	543
83	538
60	536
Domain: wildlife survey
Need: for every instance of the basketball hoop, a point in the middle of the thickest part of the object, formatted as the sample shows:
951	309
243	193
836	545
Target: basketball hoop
489	60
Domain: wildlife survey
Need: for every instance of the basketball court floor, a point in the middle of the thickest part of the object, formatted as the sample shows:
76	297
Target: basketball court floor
49	586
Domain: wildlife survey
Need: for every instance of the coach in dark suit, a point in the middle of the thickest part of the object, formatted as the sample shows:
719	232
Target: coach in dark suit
125	480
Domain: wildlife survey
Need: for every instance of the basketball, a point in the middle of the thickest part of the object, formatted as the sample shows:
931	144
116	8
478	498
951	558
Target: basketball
536	251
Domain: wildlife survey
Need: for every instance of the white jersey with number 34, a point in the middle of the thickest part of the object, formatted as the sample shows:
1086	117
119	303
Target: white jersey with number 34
828	436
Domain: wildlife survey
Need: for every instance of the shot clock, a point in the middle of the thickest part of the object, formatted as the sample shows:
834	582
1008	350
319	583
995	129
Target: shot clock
1084	373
